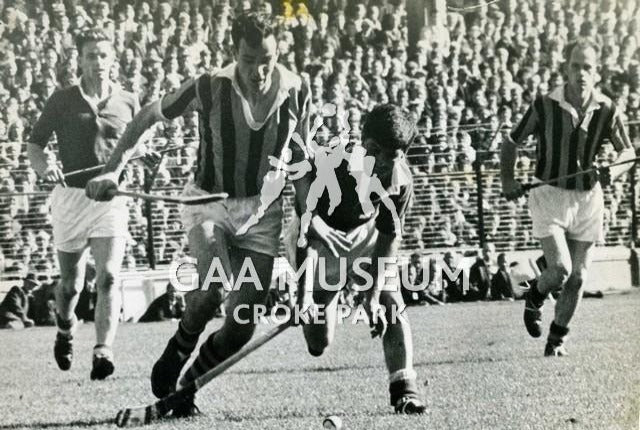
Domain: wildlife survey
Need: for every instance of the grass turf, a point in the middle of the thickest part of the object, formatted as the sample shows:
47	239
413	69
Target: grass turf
482	368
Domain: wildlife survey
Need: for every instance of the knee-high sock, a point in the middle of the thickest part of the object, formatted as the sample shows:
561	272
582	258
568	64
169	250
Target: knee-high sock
185	340
207	359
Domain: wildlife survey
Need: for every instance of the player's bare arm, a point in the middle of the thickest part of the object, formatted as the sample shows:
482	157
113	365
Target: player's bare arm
44	164
386	246
99	187
511	188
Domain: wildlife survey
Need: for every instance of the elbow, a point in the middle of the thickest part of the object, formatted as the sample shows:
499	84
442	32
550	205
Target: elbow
149	115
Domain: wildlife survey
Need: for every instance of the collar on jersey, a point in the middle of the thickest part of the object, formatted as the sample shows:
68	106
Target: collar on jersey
287	81
92	102
558	95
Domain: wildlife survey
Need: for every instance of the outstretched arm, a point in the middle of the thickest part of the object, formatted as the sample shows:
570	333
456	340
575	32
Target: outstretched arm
169	107
127	146
511	188
99	187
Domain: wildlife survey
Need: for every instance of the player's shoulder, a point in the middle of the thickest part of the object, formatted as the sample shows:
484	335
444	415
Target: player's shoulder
227	72
292	81
603	100
128	96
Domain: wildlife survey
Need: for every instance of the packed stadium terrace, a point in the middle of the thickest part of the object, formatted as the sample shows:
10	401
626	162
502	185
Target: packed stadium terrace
467	80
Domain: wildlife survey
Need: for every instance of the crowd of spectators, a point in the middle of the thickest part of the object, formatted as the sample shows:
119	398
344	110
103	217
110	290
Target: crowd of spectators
448	278
469	78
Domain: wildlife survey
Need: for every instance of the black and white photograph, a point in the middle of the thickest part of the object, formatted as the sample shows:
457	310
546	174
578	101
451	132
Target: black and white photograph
320	214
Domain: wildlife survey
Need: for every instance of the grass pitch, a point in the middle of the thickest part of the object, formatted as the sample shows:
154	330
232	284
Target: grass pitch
483	372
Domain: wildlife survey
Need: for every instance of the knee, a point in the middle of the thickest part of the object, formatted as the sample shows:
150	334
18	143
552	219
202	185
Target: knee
576	280
71	283
105	280
558	273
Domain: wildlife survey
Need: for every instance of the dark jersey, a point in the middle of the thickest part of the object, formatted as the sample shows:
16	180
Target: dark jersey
86	134
349	214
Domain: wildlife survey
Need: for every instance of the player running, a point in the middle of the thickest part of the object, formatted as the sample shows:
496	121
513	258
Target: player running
349	232
248	111
570	125
87	120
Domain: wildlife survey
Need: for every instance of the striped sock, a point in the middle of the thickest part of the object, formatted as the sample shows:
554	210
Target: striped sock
185	340
207	359
66	327
557	334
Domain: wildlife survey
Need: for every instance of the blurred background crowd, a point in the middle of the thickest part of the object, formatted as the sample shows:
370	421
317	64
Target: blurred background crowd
469	78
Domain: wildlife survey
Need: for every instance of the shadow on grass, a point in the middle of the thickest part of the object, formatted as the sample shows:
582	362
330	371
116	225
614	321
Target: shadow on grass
343	368
58	425
287	415
320	369
462	360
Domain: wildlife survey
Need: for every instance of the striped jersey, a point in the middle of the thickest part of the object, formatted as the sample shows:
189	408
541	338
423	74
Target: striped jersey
567	143
234	147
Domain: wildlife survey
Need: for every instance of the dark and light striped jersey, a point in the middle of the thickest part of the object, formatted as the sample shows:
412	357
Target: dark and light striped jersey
234	147
567	143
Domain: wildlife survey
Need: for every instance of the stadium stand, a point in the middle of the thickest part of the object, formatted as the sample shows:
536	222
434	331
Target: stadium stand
468	83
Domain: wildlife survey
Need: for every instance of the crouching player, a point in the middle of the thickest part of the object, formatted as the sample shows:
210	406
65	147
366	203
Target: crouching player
348	231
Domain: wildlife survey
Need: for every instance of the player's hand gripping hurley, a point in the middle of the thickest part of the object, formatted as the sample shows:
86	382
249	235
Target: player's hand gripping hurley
603	172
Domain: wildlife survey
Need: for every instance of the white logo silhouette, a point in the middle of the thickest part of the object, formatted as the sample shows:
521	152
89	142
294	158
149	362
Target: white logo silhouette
326	160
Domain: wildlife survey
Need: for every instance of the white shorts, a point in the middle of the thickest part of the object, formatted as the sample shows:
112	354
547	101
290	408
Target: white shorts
76	218
579	214
231	214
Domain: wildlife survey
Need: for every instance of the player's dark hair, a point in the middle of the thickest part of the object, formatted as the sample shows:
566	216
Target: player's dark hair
390	126
581	42
253	27
91	35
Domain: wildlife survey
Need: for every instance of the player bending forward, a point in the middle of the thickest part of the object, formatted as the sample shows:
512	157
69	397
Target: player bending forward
348	232
248	111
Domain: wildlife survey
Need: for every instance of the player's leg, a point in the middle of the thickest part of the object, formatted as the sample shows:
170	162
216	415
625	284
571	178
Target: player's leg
556	253
581	253
67	293
108	253
333	189
397	343
239	326
320	331
316	189
206	243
